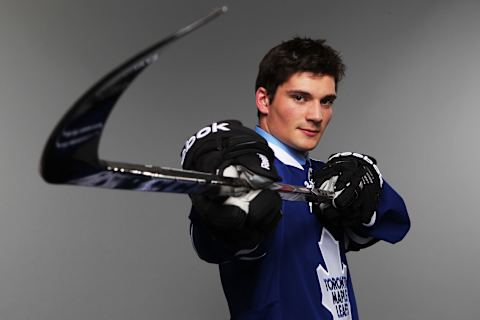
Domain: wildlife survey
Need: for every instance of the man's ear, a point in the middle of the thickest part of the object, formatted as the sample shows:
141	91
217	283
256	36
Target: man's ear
262	100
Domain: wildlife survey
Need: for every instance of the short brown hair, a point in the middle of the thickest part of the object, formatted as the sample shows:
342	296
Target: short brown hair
298	55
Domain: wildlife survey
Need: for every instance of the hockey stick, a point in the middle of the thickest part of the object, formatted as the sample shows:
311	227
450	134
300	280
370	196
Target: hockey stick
71	153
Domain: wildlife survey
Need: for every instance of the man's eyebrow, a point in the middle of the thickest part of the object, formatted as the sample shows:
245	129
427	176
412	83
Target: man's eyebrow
329	97
299	92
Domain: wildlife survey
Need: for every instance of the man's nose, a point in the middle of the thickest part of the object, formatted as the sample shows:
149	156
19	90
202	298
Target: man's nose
314	112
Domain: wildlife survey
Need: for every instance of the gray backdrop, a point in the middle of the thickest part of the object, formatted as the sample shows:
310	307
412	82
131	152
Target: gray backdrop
410	98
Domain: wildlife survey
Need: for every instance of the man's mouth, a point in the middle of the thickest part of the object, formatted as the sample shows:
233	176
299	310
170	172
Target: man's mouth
310	132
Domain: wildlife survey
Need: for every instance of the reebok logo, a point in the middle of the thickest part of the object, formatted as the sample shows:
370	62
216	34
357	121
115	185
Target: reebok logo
202	133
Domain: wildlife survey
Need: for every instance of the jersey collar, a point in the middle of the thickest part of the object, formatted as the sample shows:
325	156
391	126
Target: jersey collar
284	153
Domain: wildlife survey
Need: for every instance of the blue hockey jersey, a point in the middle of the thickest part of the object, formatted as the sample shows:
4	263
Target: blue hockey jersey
300	271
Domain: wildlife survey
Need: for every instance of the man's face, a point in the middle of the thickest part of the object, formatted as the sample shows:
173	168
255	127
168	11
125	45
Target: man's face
300	111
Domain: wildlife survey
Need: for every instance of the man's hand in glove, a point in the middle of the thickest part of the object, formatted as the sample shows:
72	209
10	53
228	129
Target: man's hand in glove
228	148
357	183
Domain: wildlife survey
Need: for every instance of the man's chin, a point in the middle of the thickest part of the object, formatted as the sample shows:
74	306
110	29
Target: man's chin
306	147
301	143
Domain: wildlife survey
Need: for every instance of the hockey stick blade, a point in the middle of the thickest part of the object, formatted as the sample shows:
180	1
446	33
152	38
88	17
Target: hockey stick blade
72	149
71	153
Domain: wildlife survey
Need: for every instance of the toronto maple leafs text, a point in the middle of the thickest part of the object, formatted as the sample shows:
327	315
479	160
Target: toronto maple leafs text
337	287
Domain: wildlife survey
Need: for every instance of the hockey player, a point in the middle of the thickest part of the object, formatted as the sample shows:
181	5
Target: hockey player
286	260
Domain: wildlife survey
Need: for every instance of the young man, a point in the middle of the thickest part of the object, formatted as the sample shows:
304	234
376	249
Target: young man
286	260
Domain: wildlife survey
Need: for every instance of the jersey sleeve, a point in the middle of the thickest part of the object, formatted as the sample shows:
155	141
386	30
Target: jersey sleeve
214	250
391	222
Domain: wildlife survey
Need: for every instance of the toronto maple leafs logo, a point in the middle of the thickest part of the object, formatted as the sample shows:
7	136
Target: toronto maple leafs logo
309	183
264	163
333	280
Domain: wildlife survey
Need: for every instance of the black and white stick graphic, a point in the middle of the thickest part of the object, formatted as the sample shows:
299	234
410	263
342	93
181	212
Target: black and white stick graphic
71	153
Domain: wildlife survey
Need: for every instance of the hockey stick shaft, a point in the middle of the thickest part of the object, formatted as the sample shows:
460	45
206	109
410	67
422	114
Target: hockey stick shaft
119	175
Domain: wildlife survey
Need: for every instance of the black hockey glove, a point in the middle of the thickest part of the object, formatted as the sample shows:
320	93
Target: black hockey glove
230	149
357	183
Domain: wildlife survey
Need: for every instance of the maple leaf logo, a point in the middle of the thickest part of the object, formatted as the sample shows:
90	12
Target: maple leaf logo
333	281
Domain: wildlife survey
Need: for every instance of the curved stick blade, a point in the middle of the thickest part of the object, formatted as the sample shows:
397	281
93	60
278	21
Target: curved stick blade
71	151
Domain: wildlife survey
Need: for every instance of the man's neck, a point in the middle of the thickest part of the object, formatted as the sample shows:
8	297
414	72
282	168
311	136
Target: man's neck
299	156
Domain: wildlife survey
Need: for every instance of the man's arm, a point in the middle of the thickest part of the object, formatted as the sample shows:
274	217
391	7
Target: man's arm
365	207
215	250
391	222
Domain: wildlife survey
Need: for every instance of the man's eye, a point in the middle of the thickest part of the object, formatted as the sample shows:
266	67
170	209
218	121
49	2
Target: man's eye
327	102
298	97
